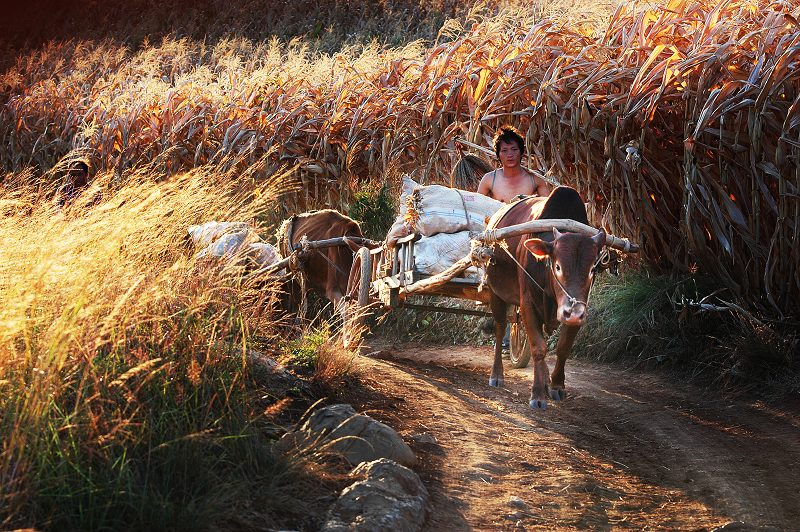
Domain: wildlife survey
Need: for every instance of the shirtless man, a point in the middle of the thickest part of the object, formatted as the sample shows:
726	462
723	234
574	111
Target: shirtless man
512	180
509	182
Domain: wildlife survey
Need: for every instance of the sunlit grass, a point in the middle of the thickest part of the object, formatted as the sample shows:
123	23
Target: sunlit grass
127	397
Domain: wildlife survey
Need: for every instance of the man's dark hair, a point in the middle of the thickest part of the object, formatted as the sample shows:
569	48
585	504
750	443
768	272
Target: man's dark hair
79	165
508	134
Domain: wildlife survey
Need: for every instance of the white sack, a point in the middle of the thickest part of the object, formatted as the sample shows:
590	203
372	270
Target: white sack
205	234
434	254
263	254
440	209
233	241
226	245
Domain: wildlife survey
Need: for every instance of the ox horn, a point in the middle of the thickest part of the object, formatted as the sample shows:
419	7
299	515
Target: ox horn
600	238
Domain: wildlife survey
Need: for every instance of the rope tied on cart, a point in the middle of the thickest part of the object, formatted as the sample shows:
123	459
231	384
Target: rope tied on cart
464	205
490	237
303	244
480	254
412	215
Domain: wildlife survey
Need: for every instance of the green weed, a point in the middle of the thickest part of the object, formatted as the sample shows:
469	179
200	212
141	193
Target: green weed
687	324
374	208
304	351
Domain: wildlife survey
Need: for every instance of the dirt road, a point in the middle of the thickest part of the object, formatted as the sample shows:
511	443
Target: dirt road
624	450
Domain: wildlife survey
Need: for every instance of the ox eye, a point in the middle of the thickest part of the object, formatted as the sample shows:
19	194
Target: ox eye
558	268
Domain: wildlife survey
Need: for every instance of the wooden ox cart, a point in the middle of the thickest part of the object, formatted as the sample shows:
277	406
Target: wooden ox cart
387	277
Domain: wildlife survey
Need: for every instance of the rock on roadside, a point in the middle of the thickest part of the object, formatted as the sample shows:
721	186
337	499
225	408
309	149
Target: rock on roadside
357	437
389	498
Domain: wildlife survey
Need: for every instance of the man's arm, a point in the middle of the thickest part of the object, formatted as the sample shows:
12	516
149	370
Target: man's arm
542	188
485	186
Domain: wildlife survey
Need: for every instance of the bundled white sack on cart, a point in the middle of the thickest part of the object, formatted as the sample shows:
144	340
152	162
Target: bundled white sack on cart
434	254
203	235
434	209
233	240
226	245
263	254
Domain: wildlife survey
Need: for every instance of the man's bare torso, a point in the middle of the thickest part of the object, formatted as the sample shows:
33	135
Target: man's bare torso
500	187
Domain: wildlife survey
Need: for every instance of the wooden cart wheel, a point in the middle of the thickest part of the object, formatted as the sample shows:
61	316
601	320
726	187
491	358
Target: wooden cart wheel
357	300
520	349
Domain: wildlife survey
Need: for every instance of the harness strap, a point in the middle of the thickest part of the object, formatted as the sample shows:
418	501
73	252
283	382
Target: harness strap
572	300
602	259
504	246
338	269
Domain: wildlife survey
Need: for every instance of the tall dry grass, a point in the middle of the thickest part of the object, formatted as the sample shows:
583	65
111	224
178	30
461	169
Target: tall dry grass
127	398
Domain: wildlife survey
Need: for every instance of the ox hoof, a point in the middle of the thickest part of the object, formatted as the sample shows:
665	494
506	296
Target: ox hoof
494	382
558	394
538	404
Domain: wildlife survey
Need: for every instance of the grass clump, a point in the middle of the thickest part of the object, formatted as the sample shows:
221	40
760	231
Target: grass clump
318	350
686	323
304	350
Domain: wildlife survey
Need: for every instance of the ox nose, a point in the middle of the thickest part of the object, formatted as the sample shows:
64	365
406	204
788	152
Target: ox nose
574	314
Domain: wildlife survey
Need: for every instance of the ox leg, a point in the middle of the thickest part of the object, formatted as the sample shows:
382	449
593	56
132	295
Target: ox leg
563	348
533	328
335	297
499	309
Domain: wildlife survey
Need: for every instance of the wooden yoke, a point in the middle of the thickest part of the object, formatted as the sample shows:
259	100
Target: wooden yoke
490	236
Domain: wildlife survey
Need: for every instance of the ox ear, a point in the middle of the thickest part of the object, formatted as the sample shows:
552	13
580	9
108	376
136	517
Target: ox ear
600	238
556	233
538	247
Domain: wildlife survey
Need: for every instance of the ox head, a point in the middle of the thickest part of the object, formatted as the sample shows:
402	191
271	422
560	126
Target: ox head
571	259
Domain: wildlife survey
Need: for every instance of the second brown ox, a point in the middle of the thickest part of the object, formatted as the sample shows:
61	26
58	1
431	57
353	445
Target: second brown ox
548	278
326	270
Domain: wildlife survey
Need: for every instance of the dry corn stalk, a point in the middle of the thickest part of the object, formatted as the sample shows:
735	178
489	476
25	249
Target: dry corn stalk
681	123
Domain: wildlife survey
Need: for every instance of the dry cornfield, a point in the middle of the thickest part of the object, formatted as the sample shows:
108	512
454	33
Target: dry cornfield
679	124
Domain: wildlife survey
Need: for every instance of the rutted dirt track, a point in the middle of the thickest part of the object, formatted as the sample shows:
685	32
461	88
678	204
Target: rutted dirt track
624	450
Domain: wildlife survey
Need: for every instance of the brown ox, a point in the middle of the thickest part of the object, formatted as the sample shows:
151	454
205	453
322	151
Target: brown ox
550	285
325	270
